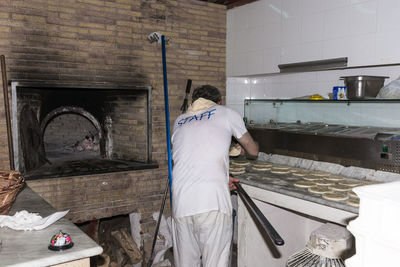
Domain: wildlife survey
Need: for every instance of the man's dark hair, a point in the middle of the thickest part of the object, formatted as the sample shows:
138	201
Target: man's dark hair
208	92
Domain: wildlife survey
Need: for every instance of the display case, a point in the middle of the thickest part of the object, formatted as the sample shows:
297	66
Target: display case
361	133
368	112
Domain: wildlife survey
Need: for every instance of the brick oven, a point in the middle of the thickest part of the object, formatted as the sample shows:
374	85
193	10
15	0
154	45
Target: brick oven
62	130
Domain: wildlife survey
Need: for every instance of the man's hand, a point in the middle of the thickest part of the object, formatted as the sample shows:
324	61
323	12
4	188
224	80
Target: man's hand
231	185
242	151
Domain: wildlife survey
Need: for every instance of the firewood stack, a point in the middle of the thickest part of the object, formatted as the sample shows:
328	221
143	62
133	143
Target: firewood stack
119	247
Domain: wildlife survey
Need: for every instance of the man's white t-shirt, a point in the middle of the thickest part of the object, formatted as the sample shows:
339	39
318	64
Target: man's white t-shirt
200	147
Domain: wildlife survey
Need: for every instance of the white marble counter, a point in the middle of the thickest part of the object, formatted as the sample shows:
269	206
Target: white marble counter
284	184
279	190
30	248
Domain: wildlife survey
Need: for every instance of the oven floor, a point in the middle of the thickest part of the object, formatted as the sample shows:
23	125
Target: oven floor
85	167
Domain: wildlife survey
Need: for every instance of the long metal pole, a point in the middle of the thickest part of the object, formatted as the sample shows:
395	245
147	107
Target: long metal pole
7	112
168	134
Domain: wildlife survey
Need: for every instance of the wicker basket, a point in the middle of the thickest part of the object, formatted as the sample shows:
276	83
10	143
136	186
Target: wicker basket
11	182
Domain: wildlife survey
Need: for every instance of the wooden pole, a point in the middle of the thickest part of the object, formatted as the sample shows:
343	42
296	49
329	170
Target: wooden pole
7	112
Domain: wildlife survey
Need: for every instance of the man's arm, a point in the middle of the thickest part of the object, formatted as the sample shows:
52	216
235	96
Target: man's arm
251	147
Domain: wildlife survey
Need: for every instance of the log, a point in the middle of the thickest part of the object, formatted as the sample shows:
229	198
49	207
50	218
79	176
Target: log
126	242
121	257
103	260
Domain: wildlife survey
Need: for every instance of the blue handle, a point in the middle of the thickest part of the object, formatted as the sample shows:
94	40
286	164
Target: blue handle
164	61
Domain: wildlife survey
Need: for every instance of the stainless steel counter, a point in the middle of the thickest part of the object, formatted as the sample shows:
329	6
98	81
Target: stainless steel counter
366	147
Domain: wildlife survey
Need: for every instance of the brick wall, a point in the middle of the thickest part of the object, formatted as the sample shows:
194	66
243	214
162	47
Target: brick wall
130	127
104	41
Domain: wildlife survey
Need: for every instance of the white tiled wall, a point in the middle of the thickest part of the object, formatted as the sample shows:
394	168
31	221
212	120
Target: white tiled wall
265	33
237	89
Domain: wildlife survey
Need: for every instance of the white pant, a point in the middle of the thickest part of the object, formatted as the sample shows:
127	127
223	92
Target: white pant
202	239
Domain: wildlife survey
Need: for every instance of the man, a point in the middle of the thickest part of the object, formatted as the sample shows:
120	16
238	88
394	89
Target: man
201	204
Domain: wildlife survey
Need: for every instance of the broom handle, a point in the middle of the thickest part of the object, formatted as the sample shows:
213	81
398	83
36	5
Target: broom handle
164	61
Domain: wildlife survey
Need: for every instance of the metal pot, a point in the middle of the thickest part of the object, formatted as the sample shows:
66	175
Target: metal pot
362	86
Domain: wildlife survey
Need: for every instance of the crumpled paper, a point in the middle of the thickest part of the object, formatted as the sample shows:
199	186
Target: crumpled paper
24	220
162	247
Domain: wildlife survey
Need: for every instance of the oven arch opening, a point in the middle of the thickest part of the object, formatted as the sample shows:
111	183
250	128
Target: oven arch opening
71	132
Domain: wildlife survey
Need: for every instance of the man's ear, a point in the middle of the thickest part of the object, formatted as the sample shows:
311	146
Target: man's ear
219	102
